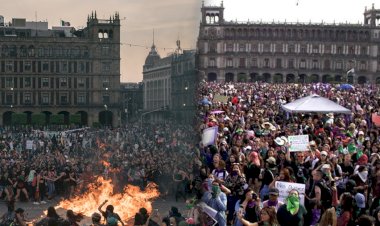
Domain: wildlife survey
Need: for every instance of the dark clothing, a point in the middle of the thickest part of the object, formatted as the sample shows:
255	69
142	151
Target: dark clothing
285	218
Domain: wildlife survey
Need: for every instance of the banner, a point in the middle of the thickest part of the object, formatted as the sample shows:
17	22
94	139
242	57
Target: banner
209	136
298	143
286	187
29	145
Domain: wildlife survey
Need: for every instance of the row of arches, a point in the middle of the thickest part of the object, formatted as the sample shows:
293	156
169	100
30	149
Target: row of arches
288	78
43	51
301	33
104	117
105	34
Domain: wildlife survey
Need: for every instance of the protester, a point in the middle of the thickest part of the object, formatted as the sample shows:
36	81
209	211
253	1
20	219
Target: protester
267	218
292	212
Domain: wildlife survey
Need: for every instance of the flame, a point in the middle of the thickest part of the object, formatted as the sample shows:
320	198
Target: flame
100	144
126	204
106	164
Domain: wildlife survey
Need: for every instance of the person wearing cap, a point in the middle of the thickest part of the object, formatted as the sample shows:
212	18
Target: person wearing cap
273	199
96	218
360	201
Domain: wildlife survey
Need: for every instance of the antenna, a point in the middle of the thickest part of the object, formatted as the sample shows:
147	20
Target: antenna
153	36
35	16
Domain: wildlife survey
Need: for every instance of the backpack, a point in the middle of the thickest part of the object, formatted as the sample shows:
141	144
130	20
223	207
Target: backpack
326	194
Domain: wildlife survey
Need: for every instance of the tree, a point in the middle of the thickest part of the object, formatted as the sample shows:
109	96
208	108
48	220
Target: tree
19	118
57	119
76	119
39	119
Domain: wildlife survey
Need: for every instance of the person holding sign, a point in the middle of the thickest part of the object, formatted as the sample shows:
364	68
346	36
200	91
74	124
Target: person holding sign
292	212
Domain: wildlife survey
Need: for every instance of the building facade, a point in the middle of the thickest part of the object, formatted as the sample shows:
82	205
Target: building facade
131	101
184	86
288	52
157	86
61	71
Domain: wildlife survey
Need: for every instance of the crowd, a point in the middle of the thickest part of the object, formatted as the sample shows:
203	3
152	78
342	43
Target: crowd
233	181
340	168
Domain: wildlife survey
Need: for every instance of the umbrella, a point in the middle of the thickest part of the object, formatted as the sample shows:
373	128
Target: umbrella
217	112
346	87
205	101
314	103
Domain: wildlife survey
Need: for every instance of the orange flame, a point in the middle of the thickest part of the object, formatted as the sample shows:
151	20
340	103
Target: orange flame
126	204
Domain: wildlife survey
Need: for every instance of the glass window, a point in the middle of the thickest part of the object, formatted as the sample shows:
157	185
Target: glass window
9	82
27	98
64	66
63	82
80	82
81	98
106	98
45	66
27	82
9	66
27	66
63	99
45	82
106	82
45	98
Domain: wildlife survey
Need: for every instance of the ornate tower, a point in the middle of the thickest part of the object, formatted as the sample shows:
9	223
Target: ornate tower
370	16
212	14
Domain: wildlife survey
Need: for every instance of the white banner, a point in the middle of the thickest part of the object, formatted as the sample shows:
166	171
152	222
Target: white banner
209	135
29	145
298	143
286	187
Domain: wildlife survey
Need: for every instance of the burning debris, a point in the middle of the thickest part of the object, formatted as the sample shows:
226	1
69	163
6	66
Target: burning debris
126	203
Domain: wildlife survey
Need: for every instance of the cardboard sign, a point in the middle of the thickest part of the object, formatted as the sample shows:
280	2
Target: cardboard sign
286	187
209	135
220	98
298	143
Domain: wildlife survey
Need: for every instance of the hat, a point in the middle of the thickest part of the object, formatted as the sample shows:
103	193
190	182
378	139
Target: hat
351	126
324	153
225	129
326	166
268	124
330	115
19	210
240	130
271	160
247	148
279	141
285	139
360	200
312	143
361	133
274	191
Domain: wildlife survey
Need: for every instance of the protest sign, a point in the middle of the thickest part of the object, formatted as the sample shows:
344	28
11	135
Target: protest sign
209	135
286	187
29	145
298	143
220	98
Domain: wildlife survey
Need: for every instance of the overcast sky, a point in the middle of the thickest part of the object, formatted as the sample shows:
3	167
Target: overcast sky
173	18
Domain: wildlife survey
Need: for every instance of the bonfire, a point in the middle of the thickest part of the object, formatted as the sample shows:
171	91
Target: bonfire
126	203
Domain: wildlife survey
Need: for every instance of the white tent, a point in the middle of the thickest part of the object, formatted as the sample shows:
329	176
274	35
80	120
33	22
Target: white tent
314	103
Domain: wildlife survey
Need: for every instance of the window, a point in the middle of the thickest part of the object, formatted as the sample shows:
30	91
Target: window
9	66
28	66
45	98
254	47
63	99
339	65
339	50
291	48
278	63
105	51
63	82
303	64
266	48
106	67
80	82
315	64
212	62
106	82
27	82
81	67
45	82
106	98
230	47
9	82
254	62
241	48
242	62
315	49
45	66
266	63
327	65
81	99
303	48
64	66
351	50
40	52
9	98
363	66
229	62
363	51
291	63
27	98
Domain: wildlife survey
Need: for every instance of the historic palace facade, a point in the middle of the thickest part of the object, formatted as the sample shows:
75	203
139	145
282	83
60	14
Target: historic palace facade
288	52
61	71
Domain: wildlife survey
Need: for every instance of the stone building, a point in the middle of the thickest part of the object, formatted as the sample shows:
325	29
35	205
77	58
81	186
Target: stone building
61	71
288	52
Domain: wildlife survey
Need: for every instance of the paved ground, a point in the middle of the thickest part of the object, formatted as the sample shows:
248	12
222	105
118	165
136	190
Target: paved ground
36	211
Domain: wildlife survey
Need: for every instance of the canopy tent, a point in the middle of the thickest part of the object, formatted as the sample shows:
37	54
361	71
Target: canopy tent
314	103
